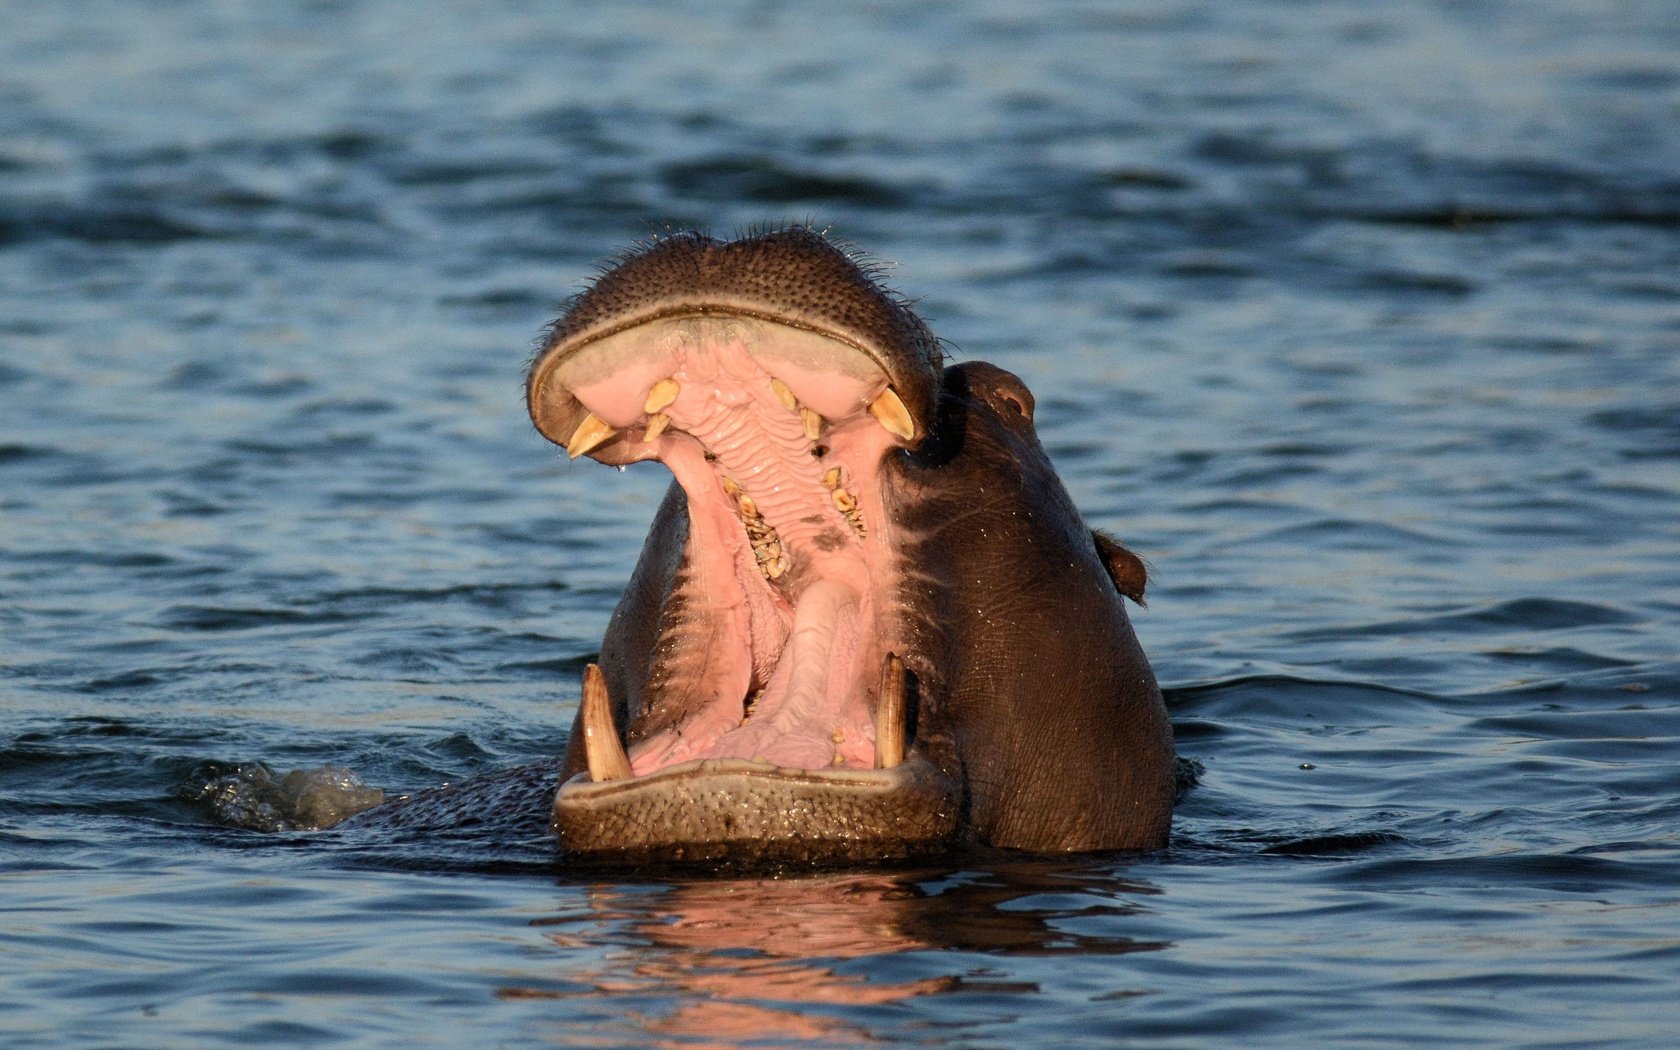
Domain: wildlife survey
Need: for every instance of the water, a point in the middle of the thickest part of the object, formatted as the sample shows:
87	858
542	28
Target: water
1361	322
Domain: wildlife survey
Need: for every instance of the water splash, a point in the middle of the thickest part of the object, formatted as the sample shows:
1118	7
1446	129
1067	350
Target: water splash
249	796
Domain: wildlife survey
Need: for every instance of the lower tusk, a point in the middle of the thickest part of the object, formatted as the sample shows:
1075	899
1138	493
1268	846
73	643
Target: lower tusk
889	715
591	432
601	746
890	412
656	426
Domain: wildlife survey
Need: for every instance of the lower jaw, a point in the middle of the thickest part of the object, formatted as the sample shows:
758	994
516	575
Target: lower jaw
736	811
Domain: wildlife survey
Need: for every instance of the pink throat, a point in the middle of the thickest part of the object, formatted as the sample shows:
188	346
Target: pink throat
770	433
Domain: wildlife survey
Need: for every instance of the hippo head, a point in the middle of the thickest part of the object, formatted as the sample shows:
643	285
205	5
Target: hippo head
868	621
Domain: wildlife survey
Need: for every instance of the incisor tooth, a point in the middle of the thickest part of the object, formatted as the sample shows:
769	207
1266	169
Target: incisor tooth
601	746
889	714
660	396
890	412
656	426
591	432
813	423
784	395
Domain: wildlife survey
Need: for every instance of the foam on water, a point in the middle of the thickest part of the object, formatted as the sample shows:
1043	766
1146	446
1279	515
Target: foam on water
251	797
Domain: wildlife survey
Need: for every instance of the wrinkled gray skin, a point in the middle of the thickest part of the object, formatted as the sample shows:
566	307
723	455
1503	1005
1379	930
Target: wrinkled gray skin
1037	722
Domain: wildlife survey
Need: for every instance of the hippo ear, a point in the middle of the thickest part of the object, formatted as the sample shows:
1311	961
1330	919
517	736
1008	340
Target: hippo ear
1125	568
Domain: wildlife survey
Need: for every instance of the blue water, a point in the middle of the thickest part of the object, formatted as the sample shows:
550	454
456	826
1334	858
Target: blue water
1361	322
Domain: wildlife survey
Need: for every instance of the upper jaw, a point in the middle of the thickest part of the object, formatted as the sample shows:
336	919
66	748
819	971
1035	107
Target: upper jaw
793	278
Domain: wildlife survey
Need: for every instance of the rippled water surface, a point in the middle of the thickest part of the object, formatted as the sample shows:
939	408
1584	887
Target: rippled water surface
1361	322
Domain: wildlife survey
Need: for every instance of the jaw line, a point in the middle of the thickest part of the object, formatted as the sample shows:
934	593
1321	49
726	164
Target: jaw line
915	764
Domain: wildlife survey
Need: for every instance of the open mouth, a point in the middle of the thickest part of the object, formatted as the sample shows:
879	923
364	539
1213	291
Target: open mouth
773	686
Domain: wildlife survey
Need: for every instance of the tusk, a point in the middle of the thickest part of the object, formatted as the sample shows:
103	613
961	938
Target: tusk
601	746
784	395
813	423
890	412
656	426
889	715
661	395
591	432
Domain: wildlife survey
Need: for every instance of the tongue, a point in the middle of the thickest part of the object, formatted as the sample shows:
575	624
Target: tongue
808	716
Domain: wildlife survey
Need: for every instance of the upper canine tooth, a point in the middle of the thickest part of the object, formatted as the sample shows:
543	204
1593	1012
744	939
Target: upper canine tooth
889	714
591	432
890	412
661	395
656	426
813	423
784	395
601	746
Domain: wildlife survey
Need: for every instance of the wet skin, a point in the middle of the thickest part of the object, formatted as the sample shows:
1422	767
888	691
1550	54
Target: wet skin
868	621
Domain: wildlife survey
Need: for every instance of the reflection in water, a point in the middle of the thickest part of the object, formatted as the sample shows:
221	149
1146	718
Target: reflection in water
803	960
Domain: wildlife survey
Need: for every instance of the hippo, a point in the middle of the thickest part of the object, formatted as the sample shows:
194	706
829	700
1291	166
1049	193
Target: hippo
867	622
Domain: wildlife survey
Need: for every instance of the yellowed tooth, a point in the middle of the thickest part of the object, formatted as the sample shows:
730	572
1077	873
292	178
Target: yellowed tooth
778	568
784	395
601	746
831	480
656	426
749	507
813	423
843	500
889	714
730	487
661	395
890	412
591	432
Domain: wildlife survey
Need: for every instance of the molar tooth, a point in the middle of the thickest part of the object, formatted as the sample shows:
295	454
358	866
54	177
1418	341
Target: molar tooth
749	507
889	714
730	487
843	500
591	432
831	480
813	423
656	426
601	746
661	395
778	568
784	395
890	412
